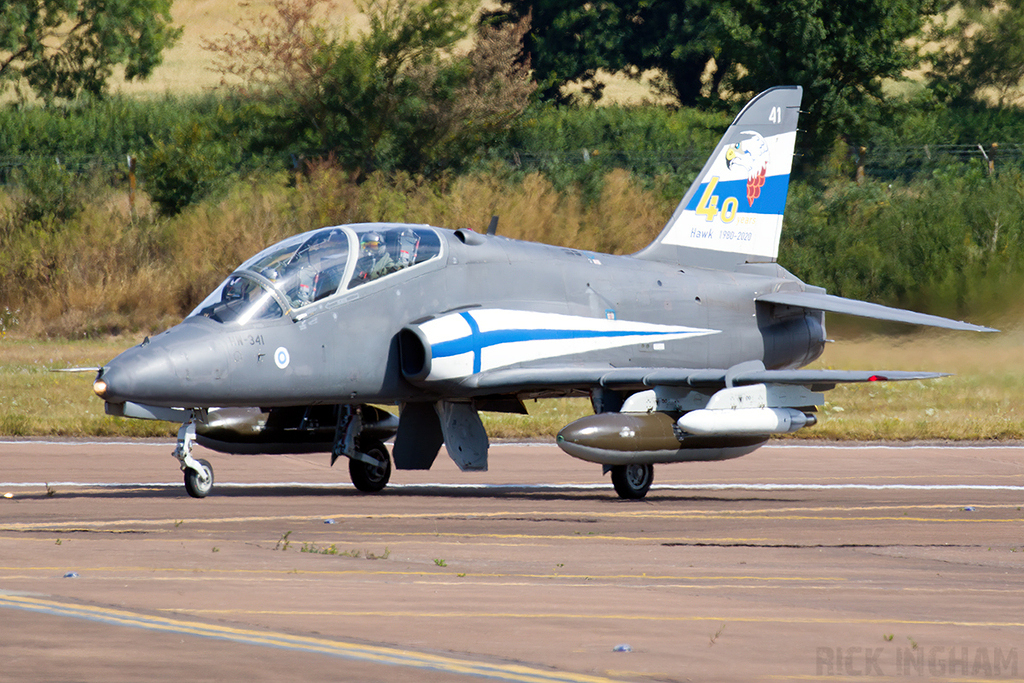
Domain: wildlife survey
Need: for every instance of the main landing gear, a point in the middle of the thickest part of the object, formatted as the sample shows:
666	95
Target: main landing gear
370	477
632	481
198	473
369	463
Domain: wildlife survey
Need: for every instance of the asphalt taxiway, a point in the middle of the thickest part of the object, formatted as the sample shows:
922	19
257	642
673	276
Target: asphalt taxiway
799	561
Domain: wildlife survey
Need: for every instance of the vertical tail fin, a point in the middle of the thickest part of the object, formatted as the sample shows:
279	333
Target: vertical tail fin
733	211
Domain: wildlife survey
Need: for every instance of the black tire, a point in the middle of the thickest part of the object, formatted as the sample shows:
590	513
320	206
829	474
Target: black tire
196	486
371	478
632	481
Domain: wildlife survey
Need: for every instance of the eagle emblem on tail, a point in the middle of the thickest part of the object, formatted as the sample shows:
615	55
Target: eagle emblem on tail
749	157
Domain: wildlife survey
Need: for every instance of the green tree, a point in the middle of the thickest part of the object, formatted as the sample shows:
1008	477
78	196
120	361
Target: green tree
570	43
840	52
981	51
397	95
60	48
187	168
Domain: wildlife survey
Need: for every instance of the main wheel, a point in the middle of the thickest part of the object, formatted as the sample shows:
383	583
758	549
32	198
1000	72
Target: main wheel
632	481
371	478
199	484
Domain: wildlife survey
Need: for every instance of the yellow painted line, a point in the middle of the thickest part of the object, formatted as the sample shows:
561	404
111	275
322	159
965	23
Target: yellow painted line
547	515
334	535
924	520
843	677
65	527
367	653
428	573
338	536
559	516
611	617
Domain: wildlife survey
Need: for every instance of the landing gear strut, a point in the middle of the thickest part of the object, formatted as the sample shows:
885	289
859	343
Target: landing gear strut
632	481
198	473
369	464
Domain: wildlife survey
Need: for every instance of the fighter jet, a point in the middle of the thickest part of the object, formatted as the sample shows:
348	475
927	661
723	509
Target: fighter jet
689	349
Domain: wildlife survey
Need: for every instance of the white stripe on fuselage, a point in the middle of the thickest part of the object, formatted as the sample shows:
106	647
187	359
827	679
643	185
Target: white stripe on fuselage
470	342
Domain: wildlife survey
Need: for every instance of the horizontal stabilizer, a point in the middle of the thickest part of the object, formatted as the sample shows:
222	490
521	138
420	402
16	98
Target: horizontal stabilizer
864	309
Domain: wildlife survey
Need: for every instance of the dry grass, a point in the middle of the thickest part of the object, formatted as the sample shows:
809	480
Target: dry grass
37	402
187	67
625	219
984	399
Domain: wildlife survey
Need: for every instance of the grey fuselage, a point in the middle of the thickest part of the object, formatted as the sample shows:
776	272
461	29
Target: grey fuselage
345	348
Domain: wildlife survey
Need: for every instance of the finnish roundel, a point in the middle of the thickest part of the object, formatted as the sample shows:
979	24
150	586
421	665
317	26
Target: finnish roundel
281	357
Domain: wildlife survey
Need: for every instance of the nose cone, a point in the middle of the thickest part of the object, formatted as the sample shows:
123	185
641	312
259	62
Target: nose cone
139	377
183	367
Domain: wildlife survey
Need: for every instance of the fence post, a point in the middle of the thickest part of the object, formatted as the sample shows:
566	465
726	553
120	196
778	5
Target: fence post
992	158
862	153
297	171
131	184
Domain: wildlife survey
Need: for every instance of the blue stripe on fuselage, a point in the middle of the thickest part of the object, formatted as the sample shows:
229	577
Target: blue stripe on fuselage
477	340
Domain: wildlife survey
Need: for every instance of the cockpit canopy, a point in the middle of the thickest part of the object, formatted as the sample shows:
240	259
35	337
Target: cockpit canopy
302	270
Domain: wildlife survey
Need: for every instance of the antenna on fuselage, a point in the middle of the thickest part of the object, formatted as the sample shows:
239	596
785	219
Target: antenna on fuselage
492	229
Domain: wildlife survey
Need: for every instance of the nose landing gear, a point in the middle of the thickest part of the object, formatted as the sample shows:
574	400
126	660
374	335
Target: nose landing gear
198	473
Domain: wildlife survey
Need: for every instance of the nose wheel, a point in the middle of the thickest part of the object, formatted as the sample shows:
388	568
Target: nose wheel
198	473
199	482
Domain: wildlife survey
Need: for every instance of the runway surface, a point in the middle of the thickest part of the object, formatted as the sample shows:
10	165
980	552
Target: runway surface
797	562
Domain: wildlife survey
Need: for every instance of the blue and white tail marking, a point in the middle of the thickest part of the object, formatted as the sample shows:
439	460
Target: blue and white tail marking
737	203
470	342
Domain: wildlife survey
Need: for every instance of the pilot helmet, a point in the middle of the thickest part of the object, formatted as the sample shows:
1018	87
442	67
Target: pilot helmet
372	243
234	289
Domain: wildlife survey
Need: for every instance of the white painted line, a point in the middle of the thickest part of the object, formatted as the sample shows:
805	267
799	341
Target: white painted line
32	442
894	447
968	446
537	487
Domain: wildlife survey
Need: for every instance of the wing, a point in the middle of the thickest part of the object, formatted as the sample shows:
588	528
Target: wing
837	304
524	380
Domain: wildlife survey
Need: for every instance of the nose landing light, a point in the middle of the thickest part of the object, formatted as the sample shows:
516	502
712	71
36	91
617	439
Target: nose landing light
100	387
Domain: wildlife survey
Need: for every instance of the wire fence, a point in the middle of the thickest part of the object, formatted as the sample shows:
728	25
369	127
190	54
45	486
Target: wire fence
77	164
911	160
883	162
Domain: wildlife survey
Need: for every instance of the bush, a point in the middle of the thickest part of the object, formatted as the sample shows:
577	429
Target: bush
948	244
47	189
577	147
187	168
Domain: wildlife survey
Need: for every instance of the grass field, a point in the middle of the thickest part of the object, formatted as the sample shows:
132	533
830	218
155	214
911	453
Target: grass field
984	399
